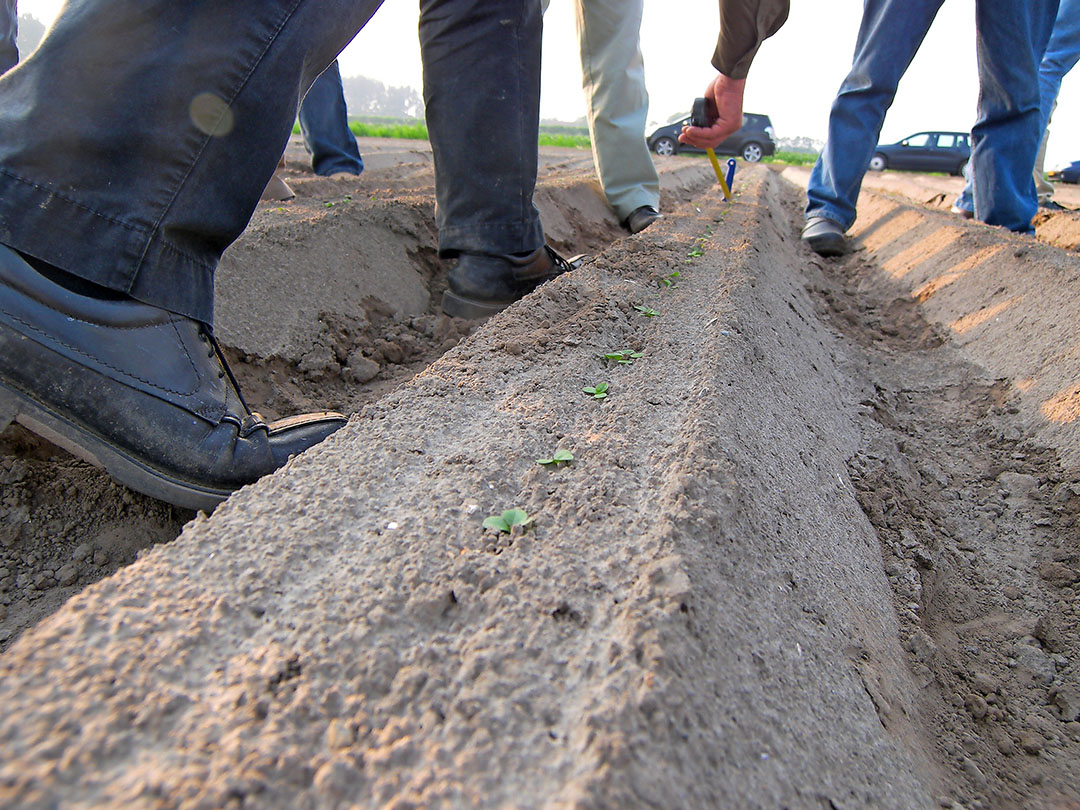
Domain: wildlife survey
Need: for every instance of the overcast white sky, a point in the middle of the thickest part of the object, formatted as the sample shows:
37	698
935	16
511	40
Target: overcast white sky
793	80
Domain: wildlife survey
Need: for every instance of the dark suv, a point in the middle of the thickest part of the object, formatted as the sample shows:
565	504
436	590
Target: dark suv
752	141
924	152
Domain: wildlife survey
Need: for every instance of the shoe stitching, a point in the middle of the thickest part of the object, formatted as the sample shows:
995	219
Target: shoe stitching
120	371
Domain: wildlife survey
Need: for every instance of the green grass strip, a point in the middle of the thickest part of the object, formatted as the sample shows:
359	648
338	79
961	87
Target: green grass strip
418	131
792	158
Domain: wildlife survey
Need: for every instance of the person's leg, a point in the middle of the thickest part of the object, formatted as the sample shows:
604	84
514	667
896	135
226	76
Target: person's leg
965	203
482	97
136	173
889	35
617	102
1044	189
482	100
1061	55
324	123
121	182
9	34
1010	39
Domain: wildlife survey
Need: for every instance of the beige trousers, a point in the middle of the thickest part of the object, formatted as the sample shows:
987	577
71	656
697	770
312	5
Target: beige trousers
617	104
1043	187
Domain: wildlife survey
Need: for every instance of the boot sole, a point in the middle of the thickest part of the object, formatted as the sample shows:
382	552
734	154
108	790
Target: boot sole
827	244
129	471
471	309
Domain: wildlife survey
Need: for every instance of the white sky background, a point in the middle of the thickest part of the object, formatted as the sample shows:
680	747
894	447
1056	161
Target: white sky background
793	80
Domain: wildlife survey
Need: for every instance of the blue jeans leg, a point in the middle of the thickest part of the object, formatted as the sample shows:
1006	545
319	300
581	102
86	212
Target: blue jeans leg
889	35
482	97
137	173
324	123
9	32
1011	38
1062	54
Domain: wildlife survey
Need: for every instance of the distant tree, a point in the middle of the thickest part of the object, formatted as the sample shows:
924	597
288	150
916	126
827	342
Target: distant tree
365	96
30	33
800	143
403	102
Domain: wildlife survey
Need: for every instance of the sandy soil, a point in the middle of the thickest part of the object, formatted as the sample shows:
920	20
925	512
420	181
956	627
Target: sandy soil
818	547
939	191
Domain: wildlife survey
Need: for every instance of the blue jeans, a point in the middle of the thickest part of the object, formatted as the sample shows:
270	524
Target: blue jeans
324	123
1062	54
137	173
9	32
1011	36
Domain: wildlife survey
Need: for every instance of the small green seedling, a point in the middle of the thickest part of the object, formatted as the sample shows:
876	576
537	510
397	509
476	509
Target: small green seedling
598	391
648	312
670	279
508	520
623	357
558	457
329	205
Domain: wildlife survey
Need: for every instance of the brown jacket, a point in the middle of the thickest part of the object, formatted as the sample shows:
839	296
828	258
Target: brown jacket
744	25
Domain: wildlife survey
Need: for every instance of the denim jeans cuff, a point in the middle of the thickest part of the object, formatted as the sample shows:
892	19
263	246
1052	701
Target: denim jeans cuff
113	253
631	202
491	238
329	167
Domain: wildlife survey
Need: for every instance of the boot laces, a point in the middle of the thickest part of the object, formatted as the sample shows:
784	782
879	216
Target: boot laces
208	333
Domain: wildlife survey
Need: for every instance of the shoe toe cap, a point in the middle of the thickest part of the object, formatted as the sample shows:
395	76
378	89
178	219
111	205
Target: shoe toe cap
642	218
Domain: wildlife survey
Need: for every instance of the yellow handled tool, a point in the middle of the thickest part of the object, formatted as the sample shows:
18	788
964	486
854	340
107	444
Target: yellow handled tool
719	174
703	114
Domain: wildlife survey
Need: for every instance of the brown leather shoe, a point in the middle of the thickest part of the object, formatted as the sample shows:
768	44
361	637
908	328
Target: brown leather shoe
138	390
277	189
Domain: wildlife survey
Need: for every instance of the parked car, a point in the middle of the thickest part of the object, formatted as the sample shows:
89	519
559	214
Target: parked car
925	152
1070	174
752	141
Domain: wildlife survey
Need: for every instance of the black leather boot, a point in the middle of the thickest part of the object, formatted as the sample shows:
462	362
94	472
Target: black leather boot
138	390
481	285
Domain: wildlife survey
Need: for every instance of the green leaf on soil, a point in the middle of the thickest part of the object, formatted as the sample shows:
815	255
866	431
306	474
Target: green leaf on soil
623	356
508	520
496	522
598	391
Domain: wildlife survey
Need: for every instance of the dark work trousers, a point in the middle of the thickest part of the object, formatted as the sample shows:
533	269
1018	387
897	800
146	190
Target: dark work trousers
482	96
136	140
9	34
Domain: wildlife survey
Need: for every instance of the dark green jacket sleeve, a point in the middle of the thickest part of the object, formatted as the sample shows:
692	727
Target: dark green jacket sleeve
744	25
